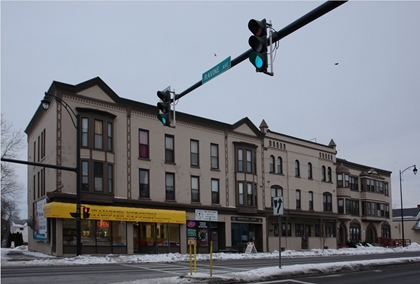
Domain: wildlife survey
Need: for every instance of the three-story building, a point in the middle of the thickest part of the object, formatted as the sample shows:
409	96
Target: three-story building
151	189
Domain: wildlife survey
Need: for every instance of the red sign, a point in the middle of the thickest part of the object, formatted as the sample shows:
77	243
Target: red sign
102	224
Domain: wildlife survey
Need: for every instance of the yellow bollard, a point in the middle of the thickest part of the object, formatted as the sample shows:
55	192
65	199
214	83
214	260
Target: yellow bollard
190	258
195	256
211	258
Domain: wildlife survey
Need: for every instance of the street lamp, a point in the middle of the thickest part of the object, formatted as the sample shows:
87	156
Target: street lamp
75	118
402	211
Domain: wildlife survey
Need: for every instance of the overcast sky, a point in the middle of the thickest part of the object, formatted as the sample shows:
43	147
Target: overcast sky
369	103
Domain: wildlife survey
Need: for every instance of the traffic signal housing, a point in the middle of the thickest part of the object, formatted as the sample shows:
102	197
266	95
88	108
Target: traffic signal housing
164	107
258	43
86	213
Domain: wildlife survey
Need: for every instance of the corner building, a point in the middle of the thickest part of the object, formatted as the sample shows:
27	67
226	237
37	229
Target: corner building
151	189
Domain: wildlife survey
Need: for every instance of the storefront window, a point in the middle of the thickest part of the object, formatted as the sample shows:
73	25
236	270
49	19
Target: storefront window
95	233
119	234
165	234
103	233
147	234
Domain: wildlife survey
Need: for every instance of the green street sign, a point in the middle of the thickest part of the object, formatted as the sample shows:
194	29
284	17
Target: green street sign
216	70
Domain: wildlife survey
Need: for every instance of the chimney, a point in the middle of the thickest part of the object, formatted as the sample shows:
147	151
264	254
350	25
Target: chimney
418	205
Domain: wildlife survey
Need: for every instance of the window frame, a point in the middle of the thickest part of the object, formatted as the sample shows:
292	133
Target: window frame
279	165
214	159
169	186
327	202
215	191
144	188
297	168
298	199
195	188
310	174
144	146
169	149
194	156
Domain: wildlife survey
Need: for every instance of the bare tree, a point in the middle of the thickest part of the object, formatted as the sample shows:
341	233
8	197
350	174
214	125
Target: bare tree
12	142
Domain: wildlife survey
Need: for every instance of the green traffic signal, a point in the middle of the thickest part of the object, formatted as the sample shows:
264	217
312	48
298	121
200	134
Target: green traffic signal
164	107
259	61
258	43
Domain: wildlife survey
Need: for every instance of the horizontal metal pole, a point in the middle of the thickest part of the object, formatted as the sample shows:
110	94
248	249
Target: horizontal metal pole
302	21
39	165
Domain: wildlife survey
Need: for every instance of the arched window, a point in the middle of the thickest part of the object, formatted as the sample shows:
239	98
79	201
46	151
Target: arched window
276	191
324	178
355	232
279	165
327	198
271	164
298	199
297	168
309	170
386	231
329	174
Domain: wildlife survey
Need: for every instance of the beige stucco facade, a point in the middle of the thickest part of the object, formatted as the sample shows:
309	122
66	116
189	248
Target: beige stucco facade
303	171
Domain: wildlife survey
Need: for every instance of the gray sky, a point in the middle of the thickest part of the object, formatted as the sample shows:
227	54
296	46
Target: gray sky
369	103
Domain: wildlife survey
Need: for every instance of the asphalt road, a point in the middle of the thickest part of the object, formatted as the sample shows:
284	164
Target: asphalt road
112	273
407	274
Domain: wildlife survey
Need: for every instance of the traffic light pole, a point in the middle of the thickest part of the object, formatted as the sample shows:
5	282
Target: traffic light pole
302	21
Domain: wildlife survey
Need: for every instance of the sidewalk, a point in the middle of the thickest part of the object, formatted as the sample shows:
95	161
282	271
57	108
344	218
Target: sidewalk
19	255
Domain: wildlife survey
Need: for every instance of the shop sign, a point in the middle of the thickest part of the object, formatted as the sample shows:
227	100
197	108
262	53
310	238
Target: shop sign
246	219
206	215
40	232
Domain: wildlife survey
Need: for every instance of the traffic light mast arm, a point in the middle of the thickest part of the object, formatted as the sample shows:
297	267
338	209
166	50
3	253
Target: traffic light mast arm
302	21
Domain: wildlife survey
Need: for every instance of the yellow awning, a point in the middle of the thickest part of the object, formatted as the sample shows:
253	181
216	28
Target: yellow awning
115	213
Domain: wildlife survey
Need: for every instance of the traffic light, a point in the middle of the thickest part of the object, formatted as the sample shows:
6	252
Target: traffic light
86	213
258	42
164	107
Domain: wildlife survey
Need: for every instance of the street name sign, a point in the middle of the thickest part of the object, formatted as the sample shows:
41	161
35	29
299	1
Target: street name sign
216	70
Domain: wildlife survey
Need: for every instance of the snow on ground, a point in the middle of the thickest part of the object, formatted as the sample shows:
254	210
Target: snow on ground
266	273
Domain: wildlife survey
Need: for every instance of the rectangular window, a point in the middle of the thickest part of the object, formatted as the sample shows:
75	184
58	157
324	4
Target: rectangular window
109	140
327	198
311	200
194	153
248	161
241	193
339	180
98	171
43	144
287	232
299	230
42	182
39	148
354	183
143	144
169	149
85	175
249	194
110	178
214	156
144	183
195	189
240	160
170	186
215	191
34	151
34	186
297	199
39	184
98	134
340	206
346	180
85	132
